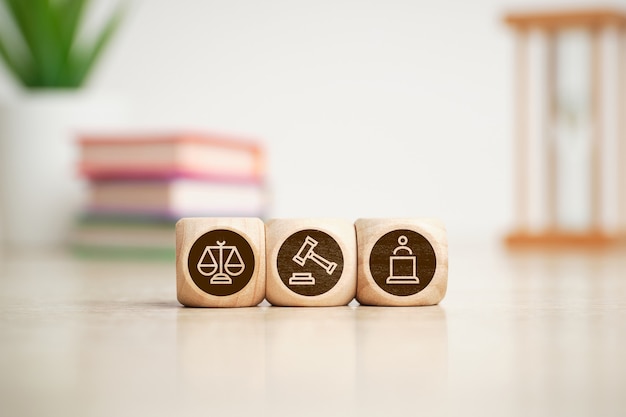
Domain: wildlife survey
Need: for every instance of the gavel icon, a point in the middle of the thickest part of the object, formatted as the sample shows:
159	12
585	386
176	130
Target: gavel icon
306	252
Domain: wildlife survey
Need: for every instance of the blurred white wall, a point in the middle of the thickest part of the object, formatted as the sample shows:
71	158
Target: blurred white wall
368	107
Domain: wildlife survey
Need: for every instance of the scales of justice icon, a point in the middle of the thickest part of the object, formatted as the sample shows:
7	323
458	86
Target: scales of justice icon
221	263
403	268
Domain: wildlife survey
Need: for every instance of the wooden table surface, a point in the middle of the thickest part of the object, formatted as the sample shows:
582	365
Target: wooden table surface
522	334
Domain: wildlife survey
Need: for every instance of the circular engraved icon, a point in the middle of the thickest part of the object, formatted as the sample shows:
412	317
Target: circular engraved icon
221	262
403	262
310	262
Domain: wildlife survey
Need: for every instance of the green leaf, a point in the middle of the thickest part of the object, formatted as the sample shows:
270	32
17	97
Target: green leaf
70	13
88	58
47	35
11	62
67	15
49	55
19	12
28	16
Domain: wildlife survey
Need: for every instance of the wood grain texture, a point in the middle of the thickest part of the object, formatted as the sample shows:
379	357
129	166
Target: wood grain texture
534	333
290	234
593	238
370	232
566	18
188	230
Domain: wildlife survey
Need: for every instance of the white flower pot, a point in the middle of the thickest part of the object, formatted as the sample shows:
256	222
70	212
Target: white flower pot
40	191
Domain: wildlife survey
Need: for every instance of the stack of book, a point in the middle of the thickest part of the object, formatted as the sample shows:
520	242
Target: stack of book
140	186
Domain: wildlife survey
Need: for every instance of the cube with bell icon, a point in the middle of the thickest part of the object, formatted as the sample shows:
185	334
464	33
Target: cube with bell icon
401	262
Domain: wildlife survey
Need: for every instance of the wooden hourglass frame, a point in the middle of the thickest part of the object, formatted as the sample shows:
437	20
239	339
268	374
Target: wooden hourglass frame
605	190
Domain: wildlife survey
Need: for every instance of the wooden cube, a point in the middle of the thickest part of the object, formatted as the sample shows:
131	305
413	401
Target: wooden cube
402	262
310	262
220	262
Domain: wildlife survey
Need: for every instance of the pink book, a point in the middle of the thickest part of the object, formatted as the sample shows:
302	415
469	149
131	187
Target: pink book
191	155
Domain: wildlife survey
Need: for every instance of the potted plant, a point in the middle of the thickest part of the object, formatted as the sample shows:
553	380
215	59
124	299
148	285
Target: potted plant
42	46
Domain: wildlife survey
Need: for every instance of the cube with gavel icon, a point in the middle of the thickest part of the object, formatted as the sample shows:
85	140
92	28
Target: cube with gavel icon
310	262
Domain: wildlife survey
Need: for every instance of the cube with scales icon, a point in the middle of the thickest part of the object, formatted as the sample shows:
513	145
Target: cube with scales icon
220	262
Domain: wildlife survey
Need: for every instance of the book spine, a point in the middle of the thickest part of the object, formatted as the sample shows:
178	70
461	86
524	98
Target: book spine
104	173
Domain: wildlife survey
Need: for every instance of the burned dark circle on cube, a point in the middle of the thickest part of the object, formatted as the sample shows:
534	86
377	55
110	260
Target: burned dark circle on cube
221	262
310	262
402	262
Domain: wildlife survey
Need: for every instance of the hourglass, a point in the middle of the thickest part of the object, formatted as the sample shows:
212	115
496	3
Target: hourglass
570	175
221	263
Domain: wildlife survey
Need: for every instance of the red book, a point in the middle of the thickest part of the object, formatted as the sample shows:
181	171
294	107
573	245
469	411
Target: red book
189	155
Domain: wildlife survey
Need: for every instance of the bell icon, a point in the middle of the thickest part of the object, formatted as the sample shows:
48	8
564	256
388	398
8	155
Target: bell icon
402	267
